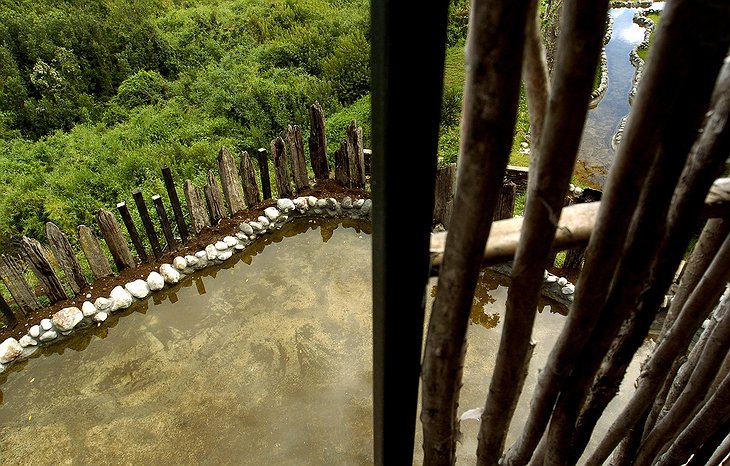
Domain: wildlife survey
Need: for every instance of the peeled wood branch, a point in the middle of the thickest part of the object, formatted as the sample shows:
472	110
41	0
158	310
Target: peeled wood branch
535	77
494	56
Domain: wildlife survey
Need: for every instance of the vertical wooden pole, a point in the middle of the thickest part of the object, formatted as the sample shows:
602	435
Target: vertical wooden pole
214	199
96	258
318	143
66	257
342	165
230	181
506	202
7	313
263	161
35	255
196	207
20	290
281	168
175	202
444	197
298	163
115	240
147	223
368	154
248	178
355	156
164	222
132	230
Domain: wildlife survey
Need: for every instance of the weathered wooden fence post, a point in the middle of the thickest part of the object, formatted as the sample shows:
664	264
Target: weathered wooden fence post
175	203
248	179
574	256
61	248
281	168
115	240
7	313
164	222
214	199
196	207
444	196
35	255
132	230
230	181
96	258
318	143
20	290
149	227
298	162
368	155
342	165
355	156
263	161
506	202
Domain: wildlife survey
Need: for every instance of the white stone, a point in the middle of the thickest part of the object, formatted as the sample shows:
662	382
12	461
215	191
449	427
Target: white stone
568	289
170	274
9	350
46	324
578	192
523	145
256	226
201	254
321	203
571	187
103	304
366	206
180	263
35	331
26	340
230	241
240	247
301	204
282	220
221	246
67	318
88	309
347	202
191	261
331	202
562	281
264	221
285	205
225	255
211	252
48	336
246	229
551	278
138	288
100	316
272	213
155	281
202	261
121	299
358	203
312	201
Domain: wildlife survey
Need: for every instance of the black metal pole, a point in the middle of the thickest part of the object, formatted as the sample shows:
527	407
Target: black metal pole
407	46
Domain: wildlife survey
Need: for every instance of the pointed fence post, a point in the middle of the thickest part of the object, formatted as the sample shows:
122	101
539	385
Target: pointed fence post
444	197
355	156
342	165
175	202
12	275
98	263
164	222
66	257
248	178
132	230
263	161
115	240
36	257
318	143
196	206
7	313
213	199
298	163
281	168
149	227
506	202
230	181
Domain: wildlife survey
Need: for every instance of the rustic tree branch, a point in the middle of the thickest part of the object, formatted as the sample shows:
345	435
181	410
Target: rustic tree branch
35	254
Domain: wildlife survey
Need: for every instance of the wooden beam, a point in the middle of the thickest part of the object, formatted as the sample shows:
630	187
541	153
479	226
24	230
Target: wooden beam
248	178
214	200
132	230
230	181
263	162
64	253
318	143
175	203
115	240
96	258
12	275
149	227
298	163
281	168
196	206
164	222
35	254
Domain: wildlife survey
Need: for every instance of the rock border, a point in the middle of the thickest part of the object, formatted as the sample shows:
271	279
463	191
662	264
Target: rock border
71	319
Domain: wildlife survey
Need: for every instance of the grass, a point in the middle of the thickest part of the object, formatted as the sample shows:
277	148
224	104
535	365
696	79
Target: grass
643	53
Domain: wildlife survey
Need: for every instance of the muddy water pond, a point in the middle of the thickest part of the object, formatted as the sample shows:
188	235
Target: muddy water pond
266	360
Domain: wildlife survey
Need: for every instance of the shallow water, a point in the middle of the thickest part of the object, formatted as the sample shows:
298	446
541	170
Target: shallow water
264	361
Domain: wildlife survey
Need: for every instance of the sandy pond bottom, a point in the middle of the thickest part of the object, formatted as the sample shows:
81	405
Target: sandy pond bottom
265	361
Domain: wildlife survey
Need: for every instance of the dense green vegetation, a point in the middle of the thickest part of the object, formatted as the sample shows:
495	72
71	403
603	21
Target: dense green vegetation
95	97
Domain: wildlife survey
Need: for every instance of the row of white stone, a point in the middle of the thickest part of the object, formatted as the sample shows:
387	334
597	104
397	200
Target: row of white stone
600	91
65	321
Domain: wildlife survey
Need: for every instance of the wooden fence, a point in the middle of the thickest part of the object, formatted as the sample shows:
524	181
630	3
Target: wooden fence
233	189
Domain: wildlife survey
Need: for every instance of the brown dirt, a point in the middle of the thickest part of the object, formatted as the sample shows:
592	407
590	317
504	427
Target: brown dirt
102	287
